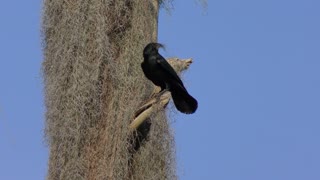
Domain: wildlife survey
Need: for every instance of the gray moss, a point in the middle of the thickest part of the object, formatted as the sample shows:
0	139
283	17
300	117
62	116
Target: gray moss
93	84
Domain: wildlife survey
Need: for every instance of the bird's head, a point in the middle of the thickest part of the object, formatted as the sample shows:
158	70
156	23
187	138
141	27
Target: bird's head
152	48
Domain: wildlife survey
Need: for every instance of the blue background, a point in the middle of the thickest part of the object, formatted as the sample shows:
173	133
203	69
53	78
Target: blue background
255	75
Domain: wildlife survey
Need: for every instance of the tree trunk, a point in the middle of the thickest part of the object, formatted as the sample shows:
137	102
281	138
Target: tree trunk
94	85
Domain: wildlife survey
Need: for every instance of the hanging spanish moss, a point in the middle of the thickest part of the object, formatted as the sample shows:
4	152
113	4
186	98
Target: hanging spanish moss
93	85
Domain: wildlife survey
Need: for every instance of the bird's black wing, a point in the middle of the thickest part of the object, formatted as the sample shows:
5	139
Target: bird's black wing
183	101
168	68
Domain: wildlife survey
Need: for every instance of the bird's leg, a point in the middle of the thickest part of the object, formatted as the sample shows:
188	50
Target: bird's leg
162	91
156	93
159	94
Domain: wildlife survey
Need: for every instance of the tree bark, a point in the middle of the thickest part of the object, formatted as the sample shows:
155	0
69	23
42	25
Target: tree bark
94	85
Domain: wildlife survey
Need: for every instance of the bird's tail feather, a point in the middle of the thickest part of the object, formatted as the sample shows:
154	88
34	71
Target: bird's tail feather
183	101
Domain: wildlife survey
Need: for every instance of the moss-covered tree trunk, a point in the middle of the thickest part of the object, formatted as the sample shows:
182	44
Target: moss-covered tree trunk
94	84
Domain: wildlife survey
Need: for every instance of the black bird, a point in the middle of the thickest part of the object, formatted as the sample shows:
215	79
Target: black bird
160	72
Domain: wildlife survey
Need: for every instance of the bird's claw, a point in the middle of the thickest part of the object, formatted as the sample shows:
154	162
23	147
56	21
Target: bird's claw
159	94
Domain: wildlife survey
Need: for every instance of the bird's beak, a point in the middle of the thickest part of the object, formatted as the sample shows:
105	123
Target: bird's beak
160	45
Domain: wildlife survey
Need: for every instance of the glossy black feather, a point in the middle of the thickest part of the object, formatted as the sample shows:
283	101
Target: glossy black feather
160	72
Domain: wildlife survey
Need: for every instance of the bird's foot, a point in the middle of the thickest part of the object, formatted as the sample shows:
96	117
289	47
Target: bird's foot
159	94
162	92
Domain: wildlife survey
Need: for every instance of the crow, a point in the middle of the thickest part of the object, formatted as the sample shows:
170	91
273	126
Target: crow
160	72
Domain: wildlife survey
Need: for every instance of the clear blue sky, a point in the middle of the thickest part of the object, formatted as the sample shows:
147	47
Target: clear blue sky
256	76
